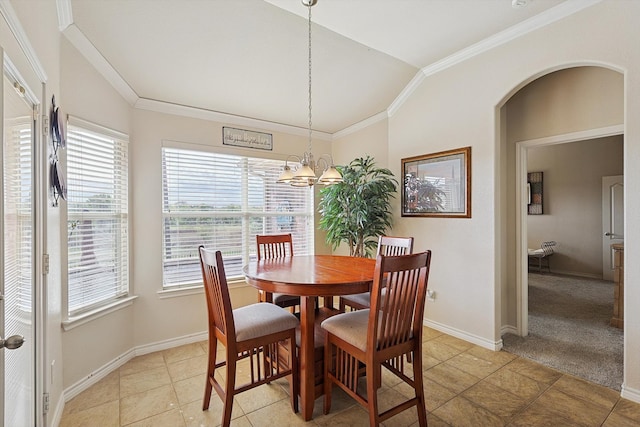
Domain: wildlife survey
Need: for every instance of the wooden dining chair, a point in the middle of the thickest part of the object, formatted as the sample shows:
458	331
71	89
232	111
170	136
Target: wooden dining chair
271	246
387	245
262	333
381	336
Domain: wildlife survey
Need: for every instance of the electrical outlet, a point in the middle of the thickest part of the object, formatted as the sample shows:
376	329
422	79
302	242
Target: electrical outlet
431	295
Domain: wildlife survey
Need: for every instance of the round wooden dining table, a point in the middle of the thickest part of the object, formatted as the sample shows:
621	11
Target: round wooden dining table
311	276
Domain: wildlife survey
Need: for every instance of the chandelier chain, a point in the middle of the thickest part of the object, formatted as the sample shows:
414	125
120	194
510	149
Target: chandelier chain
310	4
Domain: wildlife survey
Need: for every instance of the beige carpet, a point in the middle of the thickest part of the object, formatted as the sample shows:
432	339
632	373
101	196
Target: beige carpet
569	328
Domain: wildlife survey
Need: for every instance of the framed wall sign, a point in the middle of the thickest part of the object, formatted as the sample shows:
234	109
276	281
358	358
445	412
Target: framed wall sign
438	184
247	138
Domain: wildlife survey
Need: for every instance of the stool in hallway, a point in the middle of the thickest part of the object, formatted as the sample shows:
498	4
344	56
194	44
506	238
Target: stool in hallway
540	257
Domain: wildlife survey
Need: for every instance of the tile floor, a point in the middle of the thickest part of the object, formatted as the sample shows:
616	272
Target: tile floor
465	385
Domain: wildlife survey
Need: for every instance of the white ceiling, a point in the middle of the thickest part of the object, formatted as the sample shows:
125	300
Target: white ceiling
248	58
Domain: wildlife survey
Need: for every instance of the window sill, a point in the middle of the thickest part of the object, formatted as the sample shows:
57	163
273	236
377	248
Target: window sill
73	322
198	289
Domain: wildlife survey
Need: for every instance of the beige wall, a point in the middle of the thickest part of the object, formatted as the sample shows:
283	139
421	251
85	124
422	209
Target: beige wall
572	201
369	141
461	106
372	141
565	101
86	95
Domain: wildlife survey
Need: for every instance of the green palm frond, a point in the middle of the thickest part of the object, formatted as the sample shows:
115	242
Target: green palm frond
358	210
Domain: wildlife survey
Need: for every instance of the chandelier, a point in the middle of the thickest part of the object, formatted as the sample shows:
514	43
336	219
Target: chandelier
305	175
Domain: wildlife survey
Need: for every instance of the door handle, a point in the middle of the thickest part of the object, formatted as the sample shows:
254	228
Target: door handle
613	235
13	342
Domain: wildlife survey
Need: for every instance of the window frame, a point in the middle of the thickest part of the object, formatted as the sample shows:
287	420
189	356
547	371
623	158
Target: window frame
75	316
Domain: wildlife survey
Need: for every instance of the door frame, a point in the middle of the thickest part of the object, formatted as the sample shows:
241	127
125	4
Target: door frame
40	201
522	147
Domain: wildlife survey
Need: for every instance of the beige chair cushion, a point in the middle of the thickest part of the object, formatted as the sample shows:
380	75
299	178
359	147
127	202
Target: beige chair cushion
261	319
283	298
363	299
350	327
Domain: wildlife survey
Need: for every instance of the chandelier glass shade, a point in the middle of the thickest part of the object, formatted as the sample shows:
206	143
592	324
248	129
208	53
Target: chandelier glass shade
305	175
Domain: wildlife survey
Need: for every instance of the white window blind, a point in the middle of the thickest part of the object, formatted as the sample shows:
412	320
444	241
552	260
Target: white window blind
222	202
18	213
97	194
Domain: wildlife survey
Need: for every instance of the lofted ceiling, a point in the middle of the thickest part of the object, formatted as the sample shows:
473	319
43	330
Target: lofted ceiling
248	58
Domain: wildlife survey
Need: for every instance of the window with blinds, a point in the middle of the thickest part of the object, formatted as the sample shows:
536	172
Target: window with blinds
222	201
98	230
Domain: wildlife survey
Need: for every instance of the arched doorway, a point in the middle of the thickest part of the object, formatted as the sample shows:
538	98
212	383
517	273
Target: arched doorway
572	104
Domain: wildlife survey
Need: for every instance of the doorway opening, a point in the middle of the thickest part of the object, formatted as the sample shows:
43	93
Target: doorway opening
568	104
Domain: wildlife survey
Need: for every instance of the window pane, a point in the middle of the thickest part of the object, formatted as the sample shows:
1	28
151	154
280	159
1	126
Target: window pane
222	202
98	218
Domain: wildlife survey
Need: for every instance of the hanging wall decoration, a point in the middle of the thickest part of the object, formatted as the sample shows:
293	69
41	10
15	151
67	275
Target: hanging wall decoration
57	131
534	188
437	184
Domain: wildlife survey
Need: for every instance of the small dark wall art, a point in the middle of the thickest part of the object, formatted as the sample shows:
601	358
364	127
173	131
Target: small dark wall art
534	188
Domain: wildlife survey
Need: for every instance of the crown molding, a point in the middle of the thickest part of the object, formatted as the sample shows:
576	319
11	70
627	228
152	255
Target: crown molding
215	116
543	19
383	115
406	92
65	14
91	54
9	14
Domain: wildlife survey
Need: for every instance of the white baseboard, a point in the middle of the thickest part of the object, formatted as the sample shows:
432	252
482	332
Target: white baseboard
95	376
56	417
170	343
482	342
630	393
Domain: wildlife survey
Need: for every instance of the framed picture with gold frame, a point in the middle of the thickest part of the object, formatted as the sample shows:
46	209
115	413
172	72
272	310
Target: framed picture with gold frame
437	184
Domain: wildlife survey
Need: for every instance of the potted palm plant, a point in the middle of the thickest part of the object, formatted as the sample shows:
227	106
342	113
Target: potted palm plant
358	210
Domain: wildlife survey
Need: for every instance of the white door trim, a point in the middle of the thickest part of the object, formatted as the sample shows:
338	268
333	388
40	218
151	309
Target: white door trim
522	304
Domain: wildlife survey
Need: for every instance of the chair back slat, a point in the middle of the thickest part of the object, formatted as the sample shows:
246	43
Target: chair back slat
217	292
393	246
274	245
399	318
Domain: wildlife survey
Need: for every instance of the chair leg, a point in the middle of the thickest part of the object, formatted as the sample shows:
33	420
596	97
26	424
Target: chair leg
373	379
419	389
294	380
211	369
230	387
327	382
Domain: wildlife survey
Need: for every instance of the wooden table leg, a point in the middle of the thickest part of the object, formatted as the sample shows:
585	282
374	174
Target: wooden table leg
307	374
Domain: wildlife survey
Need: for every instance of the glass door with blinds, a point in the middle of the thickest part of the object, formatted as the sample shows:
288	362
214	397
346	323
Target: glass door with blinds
17	324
